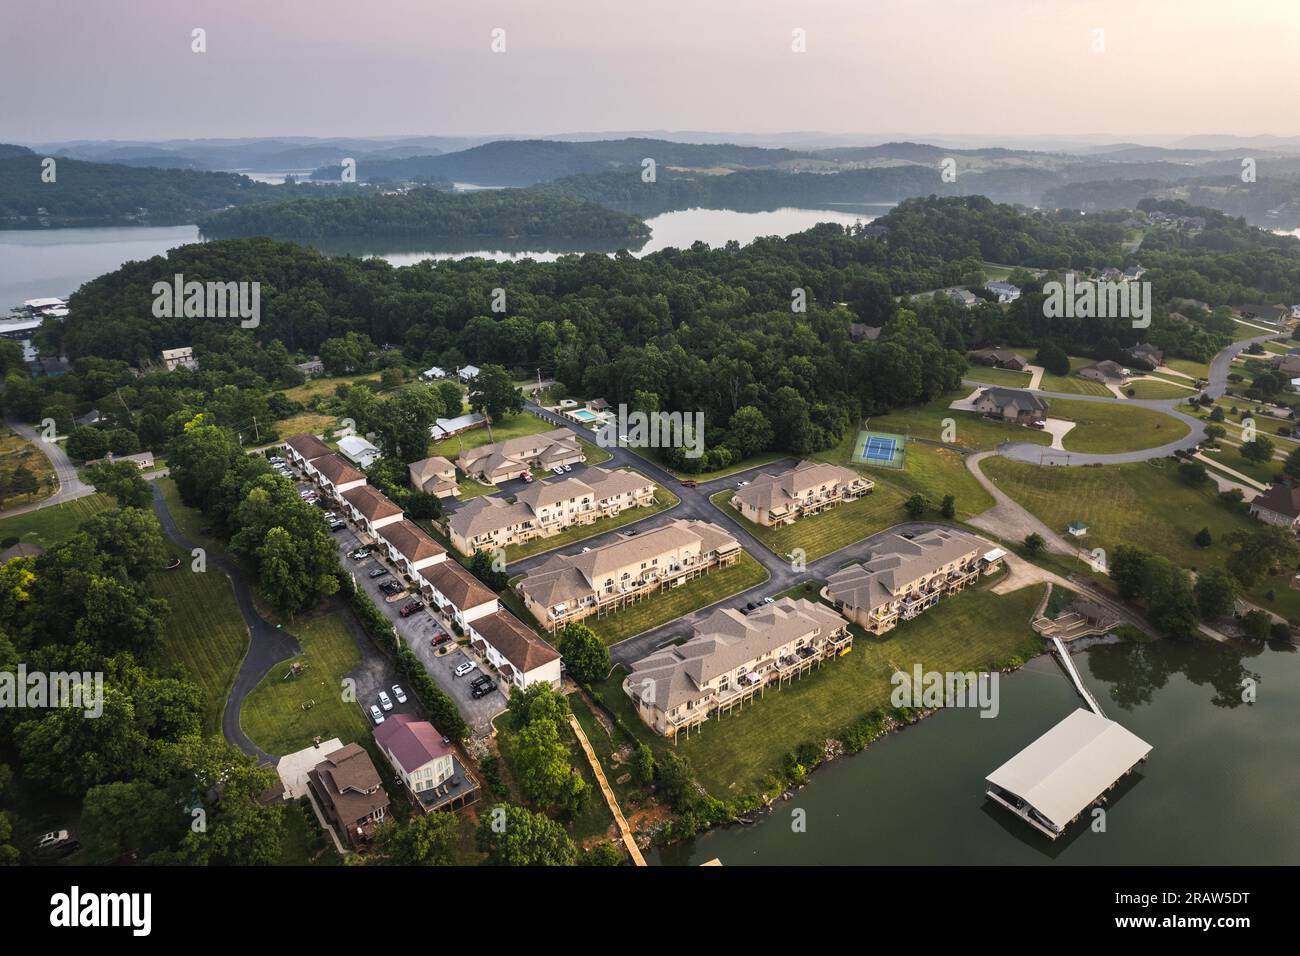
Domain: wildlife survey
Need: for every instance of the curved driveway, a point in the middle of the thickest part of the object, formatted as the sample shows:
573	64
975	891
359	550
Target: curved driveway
65	472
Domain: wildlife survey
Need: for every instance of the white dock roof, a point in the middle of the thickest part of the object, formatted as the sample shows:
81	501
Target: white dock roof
1071	765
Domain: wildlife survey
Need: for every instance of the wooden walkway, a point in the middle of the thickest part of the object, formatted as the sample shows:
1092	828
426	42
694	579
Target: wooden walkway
623	828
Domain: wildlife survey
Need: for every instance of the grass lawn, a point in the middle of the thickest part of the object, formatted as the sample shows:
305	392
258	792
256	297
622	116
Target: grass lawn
971	430
1072	384
1230	456
312	423
16	450
664	499
1189	367
1105	427
829	531
703	476
515	426
273	716
205	634
1250	331
48	526
741	752
665	606
998	376
325	386
1146	388
302	841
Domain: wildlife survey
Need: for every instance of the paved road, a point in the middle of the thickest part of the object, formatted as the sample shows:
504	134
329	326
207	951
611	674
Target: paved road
70	486
268	645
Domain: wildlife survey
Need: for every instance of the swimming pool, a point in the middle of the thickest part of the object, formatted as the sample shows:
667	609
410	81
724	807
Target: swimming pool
585	416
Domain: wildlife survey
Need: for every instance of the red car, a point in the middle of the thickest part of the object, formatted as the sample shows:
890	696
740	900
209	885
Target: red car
440	638
690	483
410	608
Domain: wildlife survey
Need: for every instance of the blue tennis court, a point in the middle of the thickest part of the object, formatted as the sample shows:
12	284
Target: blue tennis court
879	449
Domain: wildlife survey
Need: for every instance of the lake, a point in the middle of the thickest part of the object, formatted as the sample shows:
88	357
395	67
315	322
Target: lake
1221	786
49	262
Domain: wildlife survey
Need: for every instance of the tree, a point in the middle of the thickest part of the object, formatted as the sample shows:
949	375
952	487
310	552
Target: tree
493	393
483	566
85	443
585	655
750	430
1053	358
402	422
1193	472
1203	538
1260	450
915	506
426	839
514	836
1128	570
346	354
1034	544
643	764
23	482
949	507
1291	467
122	480
1255	624
1217	414
1215	590
1255	552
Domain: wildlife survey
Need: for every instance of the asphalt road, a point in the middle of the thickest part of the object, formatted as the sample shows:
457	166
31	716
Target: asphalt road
65	472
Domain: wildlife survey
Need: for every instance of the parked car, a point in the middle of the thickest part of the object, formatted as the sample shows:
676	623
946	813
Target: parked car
376	714
390	587
440	637
399	694
337	525
567	468
769	600
1033	423
481	679
410	608
464	668
741	484
360	553
527	477
378	572
632	531
482	690
384	701
750	606
690	483
52	839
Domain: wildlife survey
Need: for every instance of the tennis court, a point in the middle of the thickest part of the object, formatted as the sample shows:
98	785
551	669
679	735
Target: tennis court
879	449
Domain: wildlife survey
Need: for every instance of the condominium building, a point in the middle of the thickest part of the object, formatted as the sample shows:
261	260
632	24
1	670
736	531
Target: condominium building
435	476
571	587
371	508
515	457
547	508
806	489
731	658
905	576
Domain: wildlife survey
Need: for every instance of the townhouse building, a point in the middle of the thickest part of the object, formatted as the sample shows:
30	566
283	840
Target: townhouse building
808	488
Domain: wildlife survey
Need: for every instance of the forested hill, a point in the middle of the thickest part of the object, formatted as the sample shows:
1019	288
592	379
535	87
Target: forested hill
106	194
432	214
530	161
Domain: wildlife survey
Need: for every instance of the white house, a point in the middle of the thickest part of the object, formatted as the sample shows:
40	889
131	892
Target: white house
433	373
1003	291
457	593
468	373
334	475
518	654
409	547
415	749
359	451
371	508
177	358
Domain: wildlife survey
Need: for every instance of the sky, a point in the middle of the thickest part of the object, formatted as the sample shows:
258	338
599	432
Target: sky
1131	69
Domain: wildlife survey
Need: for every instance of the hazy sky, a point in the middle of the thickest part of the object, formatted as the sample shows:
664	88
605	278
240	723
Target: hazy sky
124	68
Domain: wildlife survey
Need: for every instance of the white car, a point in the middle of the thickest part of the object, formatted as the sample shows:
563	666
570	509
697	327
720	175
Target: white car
375	714
384	701
399	694
567	468
52	839
464	668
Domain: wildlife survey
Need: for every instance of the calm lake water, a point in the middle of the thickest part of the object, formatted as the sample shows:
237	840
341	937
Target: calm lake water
47	262
1222	785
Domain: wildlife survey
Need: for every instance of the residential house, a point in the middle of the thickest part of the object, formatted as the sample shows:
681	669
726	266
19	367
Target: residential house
347	788
1288	365
1259	312
435	476
1003	291
999	358
1111	274
468	373
371	508
808	488
1106	372
861	332
731	657
1011	404
433	373
1280	505
515	457
963	297
179	358
904	577
313	366
359	451
334	475
409	547
1134	273
447	427
598	405
305	448
1146	352
515	650
457	593
601	580
142	460
425	763
546	508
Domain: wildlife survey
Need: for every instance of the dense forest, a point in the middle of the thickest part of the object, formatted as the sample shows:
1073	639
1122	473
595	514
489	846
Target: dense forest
431	213
106	194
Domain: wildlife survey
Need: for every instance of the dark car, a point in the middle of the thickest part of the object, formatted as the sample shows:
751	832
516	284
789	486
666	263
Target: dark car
337	526
378	572
481	679
410	608
482	690
690	483
390	588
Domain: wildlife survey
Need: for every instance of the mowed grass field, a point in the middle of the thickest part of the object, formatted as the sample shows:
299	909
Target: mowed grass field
1072	384
273	715
829	531
1108	427
48	526
740	753
205	635
665	606
515	426
1149	388
1189	367
998	376
970	429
